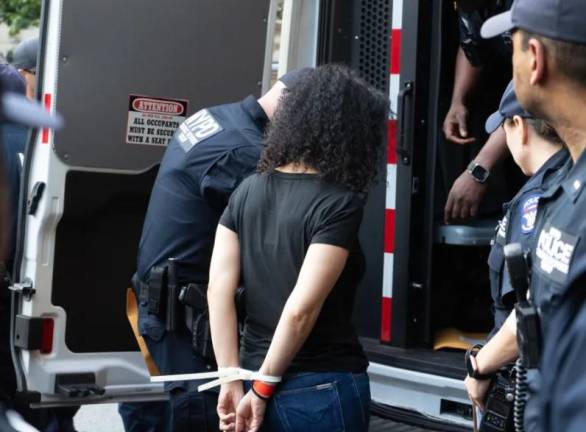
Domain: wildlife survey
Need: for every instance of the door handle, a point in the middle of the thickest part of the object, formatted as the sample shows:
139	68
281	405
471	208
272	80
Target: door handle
405	139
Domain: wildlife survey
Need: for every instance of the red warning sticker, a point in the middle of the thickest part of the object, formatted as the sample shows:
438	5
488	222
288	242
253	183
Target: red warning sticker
152	120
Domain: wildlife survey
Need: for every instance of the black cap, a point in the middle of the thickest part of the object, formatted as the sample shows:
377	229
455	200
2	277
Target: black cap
508	108
294	76
25	54
556	19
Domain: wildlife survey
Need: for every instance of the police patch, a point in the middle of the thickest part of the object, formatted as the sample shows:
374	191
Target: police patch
529	214
197	128
554	252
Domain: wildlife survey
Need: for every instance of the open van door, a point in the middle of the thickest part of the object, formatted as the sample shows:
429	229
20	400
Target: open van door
123	75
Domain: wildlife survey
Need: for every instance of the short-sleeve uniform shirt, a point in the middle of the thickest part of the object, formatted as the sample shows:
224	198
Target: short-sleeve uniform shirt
277	216
517	226
208	157
479	51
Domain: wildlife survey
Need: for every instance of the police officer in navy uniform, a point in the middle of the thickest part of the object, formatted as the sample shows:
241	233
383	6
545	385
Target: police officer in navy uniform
208	157
549	61
517	224
539	152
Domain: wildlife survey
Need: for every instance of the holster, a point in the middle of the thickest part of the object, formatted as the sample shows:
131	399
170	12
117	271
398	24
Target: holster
194	297
161	294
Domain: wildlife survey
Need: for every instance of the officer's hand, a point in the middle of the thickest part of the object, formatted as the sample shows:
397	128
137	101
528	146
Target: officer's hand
464	198
230	396
250	413
456	125
477	390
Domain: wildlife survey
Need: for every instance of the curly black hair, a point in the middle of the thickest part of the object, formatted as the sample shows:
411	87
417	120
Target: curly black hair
333	122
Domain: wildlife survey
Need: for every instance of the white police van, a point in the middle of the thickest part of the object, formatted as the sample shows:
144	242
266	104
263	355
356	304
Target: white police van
124	74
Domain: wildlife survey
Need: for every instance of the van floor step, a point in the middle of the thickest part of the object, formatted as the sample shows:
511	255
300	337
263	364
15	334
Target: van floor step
449	364
378	424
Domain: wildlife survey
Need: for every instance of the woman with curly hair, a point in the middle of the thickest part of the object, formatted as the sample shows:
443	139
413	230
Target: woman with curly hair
290	236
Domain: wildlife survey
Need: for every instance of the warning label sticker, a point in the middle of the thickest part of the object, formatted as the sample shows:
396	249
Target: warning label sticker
153	121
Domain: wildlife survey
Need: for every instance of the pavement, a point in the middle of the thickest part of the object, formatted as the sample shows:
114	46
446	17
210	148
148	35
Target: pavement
98	418
105	418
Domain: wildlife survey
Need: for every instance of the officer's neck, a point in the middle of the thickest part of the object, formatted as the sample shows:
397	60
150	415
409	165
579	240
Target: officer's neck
538	158
568	117
575	139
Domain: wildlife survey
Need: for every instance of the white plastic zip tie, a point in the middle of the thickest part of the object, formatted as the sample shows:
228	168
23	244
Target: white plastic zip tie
222	375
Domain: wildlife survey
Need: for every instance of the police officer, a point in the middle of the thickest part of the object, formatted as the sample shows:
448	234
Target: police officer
475	56
209	155
537	150
549	62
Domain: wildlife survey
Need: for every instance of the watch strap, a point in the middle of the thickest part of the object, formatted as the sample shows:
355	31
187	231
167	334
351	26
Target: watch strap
472	372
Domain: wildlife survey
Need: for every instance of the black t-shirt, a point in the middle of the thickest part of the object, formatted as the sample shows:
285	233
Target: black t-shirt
277	216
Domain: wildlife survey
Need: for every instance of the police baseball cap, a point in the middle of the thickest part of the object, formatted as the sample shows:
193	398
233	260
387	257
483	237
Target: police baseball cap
556	19
508	108
294	76
25	55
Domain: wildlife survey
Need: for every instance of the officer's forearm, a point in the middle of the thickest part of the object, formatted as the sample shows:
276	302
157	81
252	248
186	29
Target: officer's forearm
494	150
465	79
499	351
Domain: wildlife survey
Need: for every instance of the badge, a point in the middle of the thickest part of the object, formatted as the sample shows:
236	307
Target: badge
197	128
554	252
529	214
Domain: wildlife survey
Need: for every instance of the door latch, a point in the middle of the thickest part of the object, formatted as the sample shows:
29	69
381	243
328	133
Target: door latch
25	288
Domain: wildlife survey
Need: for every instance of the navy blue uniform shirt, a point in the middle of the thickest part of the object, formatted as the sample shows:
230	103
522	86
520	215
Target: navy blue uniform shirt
559	229
558	248
562	400
479	50
209	155
517	226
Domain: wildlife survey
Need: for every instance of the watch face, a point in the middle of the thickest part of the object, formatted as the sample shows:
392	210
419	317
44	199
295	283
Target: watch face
479	173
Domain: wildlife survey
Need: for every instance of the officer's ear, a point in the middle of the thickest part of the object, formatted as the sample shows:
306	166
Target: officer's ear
538	60
521	129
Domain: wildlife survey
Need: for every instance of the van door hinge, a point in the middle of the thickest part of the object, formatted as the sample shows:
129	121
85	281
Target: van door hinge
25	288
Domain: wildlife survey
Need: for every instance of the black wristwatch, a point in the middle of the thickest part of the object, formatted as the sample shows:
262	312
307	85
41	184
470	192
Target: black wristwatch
473	373
478	172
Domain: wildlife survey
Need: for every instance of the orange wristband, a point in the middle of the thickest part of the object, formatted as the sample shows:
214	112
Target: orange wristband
263	389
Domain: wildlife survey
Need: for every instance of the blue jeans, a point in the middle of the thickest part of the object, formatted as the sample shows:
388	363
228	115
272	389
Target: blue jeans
308	402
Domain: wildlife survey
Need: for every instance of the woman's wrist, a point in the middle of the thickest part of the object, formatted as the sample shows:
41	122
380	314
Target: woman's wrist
263	390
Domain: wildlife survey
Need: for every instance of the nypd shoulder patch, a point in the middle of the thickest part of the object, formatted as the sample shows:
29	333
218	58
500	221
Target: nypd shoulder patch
197	128
529	213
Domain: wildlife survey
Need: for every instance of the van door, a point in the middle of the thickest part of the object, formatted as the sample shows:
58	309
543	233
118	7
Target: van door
387	42
123	75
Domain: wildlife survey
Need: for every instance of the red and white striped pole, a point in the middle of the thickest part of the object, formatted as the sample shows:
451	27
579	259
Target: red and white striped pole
389	248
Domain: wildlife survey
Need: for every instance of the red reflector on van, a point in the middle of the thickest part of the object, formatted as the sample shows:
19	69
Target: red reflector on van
47	336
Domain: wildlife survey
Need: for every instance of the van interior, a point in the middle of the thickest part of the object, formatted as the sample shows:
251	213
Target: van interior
448	285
